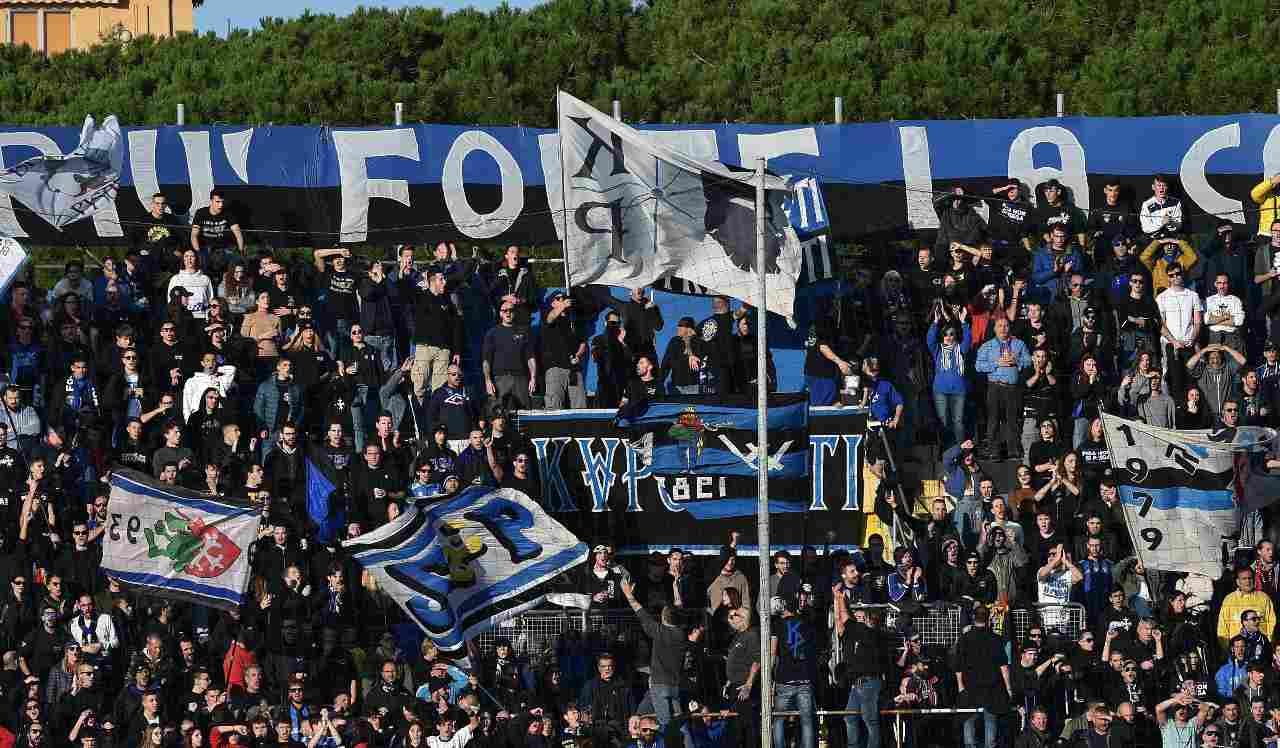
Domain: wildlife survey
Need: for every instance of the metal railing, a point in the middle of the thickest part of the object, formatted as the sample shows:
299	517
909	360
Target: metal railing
939	625
1065	620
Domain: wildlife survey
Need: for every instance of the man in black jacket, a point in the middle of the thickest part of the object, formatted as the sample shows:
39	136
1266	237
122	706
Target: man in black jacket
864	651
437	330
667	659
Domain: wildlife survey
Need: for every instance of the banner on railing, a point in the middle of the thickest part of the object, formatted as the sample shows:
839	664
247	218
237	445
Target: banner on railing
300	185
596	481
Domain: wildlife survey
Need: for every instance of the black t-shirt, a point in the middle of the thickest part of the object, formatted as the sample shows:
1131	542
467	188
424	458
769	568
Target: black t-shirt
925	286
368	365
309	366
528	485
215	231
286	396
816	364
341	289
155	237
1009	222
797	649
1047	216
639	391
559	343
1107	222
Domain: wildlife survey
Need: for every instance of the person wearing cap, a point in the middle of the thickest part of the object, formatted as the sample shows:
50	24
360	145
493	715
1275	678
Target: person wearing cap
958	220
564	354
602	578
683	358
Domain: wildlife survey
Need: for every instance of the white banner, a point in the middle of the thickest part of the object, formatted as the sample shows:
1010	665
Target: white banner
66	189
178	543
457	566
636	210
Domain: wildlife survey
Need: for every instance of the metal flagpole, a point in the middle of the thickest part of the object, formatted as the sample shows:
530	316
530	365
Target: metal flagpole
762	466
564	196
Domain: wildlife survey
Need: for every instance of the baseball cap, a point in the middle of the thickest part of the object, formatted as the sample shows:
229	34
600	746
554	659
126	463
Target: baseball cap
1270	345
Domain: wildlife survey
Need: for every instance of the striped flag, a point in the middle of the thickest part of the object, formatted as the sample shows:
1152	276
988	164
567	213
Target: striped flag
704	451
177	543
458	566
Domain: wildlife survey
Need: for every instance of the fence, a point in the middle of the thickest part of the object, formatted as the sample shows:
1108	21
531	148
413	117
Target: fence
939	626
1065	620
536	635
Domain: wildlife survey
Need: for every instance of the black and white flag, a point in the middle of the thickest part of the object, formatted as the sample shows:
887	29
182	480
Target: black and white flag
638	208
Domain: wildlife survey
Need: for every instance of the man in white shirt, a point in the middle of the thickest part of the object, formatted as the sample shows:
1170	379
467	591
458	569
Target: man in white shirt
94	632
1161	214
1224	314
448	737
1180	317
210	376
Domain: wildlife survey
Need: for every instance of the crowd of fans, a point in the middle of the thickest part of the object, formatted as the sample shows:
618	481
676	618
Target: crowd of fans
212	368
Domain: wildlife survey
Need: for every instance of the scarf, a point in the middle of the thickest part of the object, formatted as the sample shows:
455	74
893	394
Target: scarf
950	359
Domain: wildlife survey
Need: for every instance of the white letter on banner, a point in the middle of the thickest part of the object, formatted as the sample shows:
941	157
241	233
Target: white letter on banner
1271	156
1022	164
917	175
199	168
9	225
820	445
465	219
142	162
354	148
753	147
1192	173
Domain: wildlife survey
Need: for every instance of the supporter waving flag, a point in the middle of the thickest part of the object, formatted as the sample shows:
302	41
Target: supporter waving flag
1184	491
704	451
459	565
177	543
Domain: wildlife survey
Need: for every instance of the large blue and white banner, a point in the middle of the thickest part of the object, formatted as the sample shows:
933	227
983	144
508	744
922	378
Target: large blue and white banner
1180	490
177	543
458	566
312	184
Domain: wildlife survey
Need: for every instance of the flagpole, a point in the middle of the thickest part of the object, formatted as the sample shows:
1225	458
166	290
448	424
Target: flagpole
762	466
564	196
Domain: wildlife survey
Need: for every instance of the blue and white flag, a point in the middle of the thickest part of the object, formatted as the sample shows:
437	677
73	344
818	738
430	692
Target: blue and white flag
458	566
706	453
177	543
320	488
1180	490
66	189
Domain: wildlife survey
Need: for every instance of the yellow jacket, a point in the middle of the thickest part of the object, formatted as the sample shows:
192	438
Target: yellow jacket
1268	205
1187	258
1235	604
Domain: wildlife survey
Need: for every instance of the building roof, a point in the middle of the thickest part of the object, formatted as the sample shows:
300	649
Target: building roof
9	3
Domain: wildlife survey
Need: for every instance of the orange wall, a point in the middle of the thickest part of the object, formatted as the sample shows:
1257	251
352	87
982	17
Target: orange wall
89	23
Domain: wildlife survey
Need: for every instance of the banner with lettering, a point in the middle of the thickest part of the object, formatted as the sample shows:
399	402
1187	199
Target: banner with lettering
312	185
596	481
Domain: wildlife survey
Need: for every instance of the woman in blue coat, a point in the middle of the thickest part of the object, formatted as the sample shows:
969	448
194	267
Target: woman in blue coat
950	384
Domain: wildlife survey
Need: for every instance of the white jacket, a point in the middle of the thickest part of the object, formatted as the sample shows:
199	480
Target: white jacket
1154	214
201	289
224	381
103	631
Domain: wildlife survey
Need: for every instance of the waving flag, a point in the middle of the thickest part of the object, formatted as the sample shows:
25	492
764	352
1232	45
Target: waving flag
65	189
1181	490
320	488
704	451
637	209
177	543
460	565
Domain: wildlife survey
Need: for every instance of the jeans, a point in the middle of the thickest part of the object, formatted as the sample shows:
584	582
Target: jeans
950	410
363	415
385	345
797	697
341	336
864	697
666	703
988	730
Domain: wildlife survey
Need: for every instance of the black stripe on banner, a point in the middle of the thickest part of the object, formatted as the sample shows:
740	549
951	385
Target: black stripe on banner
1165	477
396	539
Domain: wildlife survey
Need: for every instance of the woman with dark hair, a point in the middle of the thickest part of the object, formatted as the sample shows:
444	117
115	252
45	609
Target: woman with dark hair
720	632
237	289
1192	412
1061	496
1088	393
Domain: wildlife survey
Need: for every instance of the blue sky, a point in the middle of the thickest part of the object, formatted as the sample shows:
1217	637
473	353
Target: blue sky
244	14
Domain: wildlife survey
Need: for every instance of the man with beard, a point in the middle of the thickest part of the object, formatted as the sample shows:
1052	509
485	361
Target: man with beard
923	280
883	401
718	342
1005	561
959	222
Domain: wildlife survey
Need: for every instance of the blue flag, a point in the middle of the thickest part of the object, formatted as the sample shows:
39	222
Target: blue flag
319	489
704	453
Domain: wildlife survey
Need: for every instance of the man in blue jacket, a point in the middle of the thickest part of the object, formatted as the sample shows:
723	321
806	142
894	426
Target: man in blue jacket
1053	264
1001	359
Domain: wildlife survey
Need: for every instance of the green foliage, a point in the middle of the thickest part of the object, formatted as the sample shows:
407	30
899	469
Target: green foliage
676	61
